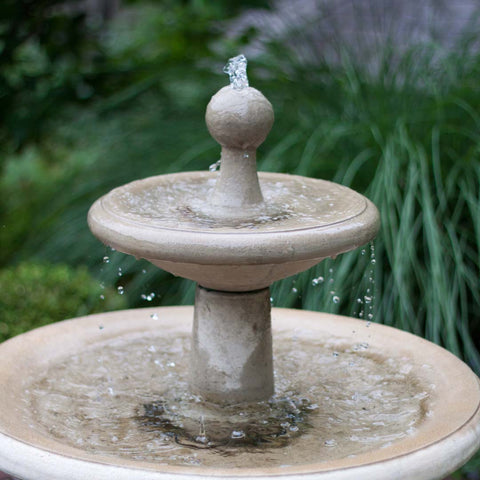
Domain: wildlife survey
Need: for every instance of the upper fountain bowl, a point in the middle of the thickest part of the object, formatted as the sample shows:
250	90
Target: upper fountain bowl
301	222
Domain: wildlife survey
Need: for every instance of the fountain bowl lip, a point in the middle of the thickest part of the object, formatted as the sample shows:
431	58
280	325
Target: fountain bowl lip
226	247
444	441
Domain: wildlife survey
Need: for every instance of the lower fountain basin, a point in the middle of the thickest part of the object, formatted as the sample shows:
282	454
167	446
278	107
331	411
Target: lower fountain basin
442	394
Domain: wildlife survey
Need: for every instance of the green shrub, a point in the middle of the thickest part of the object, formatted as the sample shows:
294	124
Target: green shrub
35	294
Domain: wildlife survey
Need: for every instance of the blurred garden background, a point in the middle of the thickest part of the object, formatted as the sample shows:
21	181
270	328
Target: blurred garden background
382	96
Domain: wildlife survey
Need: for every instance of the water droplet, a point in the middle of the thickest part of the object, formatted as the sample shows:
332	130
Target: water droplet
120	290
102	297
170	364
373	261
120	271
106	259
215	166
368	324
330	443
370	316
101	327
335	354
294	290
363	252
148	297
293	428
236	434
152	348
271	300
246	155
317	281
154	316
336	299
144	271
367	299
110	391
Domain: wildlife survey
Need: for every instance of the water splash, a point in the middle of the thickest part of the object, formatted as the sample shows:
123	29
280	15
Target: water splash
237	71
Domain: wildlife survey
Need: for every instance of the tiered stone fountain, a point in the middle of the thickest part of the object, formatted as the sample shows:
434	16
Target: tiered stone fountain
112	396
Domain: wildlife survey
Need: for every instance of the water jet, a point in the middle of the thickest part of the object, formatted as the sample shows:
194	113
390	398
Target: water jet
252	391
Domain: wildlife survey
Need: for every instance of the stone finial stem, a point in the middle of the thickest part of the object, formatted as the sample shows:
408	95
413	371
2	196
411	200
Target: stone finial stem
238	184
239	120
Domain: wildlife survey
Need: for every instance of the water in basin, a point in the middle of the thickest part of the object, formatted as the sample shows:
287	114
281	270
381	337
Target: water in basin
181	202
130	398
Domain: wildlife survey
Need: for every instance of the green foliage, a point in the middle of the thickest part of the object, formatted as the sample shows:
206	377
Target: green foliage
35	294
414	149
59	53
29	184
168	48
48	52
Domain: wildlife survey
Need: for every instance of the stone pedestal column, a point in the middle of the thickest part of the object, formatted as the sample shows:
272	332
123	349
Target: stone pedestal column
231	359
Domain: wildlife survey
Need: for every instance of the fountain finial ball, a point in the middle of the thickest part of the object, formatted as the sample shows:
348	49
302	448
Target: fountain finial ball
239	118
